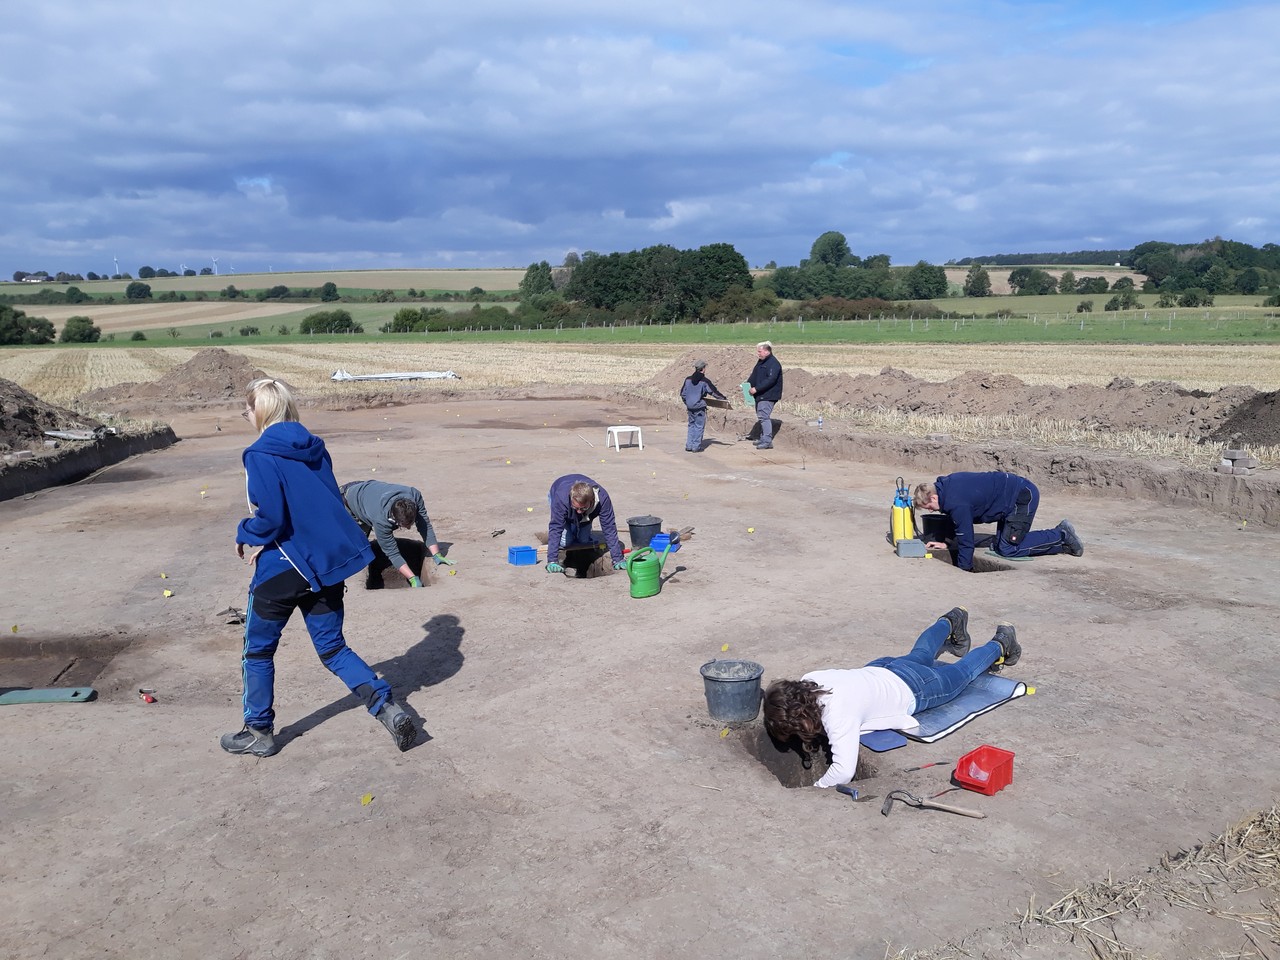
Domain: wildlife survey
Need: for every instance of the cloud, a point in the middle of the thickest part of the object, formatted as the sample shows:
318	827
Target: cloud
500	133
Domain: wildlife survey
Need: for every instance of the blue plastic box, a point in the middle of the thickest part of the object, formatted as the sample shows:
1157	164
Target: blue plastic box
659	542
522	556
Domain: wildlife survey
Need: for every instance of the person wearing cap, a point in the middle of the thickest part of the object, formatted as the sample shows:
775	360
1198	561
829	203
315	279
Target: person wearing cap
694	394
765	385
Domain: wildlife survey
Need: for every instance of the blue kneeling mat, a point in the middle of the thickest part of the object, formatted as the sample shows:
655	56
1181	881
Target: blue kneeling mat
983	695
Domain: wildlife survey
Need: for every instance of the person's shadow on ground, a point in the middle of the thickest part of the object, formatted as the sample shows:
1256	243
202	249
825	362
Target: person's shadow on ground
433	659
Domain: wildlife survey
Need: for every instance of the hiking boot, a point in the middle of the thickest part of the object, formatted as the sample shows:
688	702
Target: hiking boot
957	644
1007	637
259	743
399	724
1070	539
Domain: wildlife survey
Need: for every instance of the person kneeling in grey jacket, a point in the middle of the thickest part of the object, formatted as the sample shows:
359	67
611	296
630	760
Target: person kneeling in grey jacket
384	508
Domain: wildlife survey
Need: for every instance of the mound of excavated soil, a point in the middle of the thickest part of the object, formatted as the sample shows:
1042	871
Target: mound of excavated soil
24	418
213	375
1233	413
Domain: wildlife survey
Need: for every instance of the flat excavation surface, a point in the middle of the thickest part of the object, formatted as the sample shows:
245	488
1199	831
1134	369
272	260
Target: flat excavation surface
570	796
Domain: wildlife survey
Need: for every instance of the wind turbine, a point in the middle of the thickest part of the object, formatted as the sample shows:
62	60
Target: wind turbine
231	267
116	260
215	265
183	268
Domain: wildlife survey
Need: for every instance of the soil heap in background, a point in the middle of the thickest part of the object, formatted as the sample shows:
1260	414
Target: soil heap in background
212	376
1230	414
24	418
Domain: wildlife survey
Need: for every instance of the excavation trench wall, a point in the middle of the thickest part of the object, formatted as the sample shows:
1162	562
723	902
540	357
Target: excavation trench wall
1255	498
76	460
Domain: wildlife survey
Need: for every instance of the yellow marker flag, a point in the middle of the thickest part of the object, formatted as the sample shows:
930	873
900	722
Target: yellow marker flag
724	733
168	593
724	648
366	799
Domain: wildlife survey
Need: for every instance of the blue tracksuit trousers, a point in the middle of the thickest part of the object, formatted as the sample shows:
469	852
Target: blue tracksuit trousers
276	591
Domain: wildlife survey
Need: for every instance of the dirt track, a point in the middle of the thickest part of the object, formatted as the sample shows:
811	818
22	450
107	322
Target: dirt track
573	799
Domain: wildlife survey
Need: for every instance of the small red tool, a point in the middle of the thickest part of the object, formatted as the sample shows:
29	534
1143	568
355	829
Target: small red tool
926	766
146	695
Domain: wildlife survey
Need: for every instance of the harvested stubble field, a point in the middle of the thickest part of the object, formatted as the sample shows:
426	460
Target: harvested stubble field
118	317
448	280
60	374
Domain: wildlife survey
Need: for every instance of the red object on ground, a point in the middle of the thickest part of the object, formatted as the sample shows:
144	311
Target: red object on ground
987	770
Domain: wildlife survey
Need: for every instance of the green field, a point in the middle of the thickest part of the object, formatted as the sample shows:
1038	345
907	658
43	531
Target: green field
1050	319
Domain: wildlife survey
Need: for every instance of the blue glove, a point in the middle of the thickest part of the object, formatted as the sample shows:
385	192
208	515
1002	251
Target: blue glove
415	582
620	565
441	560
554	567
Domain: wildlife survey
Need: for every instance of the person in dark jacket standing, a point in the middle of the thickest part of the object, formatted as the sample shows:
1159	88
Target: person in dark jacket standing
576	500
694	394
382	508
304	545
1005	499
765	385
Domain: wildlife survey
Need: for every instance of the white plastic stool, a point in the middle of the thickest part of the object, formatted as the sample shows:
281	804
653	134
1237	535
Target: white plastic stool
613	433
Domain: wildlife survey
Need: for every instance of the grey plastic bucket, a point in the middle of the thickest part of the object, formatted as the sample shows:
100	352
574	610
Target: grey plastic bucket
642	530
732	688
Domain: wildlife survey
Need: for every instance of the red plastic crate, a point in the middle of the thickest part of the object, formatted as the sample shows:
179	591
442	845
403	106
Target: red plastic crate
985	770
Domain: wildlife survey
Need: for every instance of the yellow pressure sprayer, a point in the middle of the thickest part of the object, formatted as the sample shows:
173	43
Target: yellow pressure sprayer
902	518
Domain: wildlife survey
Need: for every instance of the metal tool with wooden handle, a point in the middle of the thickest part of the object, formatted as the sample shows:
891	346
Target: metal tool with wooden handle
912	800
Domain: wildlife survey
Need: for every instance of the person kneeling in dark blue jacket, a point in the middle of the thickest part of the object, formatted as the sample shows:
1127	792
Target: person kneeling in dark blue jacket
1005	499
305	545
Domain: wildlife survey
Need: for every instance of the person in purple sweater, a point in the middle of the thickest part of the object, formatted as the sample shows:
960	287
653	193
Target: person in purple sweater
576	500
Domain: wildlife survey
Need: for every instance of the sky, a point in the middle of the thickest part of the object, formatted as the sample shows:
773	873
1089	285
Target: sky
316	136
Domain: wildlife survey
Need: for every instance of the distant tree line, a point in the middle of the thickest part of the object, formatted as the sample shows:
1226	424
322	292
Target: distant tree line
1077	257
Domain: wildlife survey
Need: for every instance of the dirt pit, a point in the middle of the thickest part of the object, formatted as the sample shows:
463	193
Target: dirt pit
24	418
560	801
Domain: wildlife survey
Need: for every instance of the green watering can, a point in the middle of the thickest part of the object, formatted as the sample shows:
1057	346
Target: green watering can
644	567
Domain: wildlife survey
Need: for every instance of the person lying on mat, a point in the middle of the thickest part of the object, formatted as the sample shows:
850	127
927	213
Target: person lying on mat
885	694
1005	499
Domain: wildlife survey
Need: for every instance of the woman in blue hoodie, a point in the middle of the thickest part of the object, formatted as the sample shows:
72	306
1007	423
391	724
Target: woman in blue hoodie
304	545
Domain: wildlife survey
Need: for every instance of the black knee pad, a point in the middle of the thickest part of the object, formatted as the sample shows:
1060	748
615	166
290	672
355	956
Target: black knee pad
1018	524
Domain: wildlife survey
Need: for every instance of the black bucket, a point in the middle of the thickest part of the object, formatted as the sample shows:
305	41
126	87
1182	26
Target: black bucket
643	530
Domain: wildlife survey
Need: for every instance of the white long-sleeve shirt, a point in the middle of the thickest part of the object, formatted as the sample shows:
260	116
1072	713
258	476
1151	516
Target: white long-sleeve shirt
861	700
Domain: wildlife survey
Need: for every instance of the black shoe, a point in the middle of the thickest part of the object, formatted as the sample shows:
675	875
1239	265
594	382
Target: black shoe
259	743
957	644
399	724
1070	539
764	446
1007	637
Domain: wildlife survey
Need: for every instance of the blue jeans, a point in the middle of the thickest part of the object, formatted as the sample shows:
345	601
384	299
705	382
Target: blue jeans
697	423
764	411
934	684
276	591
